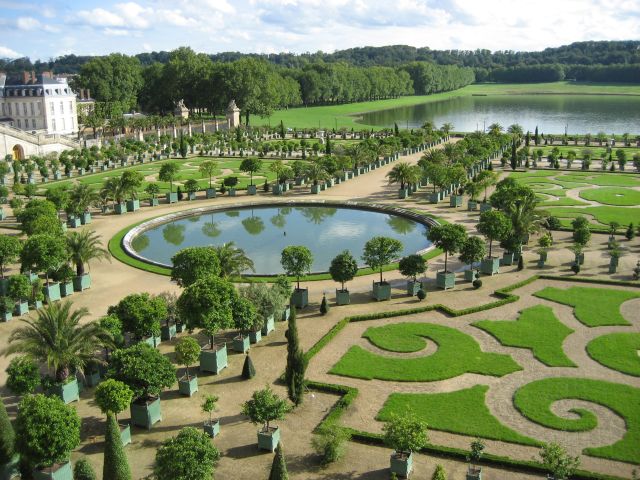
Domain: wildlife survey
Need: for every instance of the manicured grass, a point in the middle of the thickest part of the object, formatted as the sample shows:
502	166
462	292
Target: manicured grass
604	179
464	412
595	307
534	401
596	150
339	116
457	353
618	351
537	329
602	215
612	196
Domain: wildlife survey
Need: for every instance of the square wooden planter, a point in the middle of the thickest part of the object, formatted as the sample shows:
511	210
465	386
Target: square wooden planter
401	464
445	280
255	336
188	385
85	218
180	327
490	265
11	469
508	258
154	202
455	201
52	292
125	434
403	193
315	189
474	473
286	313
485	207
120	208
6	316
213	360
300	297
82	282
66	289
268	326
92	379
343	297
472	206
74	222
241	344
252	190
211	428
172	197
68	392
146	413
413	288
167	332
153	341
434	197
62	471
381	291
470	275
269	439
133	205
21	308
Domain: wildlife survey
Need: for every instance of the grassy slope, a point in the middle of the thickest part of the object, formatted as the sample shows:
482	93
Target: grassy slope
457	353
537	329
343	115
595	307
618	351
612	196
464	412
535	399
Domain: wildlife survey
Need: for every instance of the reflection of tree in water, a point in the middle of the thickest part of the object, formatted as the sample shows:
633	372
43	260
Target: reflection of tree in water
285	210
211	229
253	225
194	219
317	215
232	213
140	243
173	233
401	225
279	220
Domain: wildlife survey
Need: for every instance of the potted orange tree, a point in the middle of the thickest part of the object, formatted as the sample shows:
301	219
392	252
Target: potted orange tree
405	434
264	407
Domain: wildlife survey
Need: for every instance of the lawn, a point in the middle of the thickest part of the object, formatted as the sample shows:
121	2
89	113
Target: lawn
603	216
596	150
537	329
457	354
618	351
534	401
464	412
612	196
345	116
594	307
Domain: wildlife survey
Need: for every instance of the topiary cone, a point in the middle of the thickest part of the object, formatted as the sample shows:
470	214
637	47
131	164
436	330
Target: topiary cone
248	370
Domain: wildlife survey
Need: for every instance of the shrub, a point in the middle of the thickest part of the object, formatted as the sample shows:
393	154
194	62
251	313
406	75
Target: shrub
189	455
439	474
279	466
324	306
248	370
421	294
477	283
23	375
558	462
83	470
116	466
330	443
113	396
187	352
575	268
209	406
7	436
264	407
405	433
520	263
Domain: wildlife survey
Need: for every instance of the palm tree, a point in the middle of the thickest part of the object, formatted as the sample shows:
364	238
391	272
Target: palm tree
401	173
112	188
83	247
233	260
56	339
81	197
495	129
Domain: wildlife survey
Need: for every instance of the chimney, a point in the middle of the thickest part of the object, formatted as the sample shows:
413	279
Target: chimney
88	92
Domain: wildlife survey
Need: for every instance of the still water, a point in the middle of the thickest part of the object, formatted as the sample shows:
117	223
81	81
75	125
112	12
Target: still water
263	233
551	113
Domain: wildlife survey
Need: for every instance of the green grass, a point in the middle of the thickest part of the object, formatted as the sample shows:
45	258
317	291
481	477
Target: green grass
594	307
345	115
457	353
463	412
537	329
618	351
596	150
602	215
612	196
534	401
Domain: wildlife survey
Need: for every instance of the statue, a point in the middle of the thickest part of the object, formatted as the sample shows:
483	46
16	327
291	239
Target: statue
181	110
233	115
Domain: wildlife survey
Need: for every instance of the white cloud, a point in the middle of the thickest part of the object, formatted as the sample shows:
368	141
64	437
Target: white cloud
6	52
27	23
116	32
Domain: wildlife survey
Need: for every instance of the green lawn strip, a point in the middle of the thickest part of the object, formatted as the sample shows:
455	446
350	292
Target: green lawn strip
537	329
618	351
604	179
612	196
463	412
534	401
116	249
594	307
457	354
604	215
563	202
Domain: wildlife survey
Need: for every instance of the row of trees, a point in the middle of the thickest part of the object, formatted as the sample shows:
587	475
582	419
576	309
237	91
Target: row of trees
555	72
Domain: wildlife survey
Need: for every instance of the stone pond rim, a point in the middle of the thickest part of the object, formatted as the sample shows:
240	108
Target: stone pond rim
127	240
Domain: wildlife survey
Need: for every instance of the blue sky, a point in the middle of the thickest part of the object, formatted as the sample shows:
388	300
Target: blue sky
50	28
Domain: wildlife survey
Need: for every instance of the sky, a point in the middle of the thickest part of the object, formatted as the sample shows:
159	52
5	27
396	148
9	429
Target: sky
46	29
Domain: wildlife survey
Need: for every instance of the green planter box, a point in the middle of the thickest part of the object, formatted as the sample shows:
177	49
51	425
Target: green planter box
403	193
36	305
381	291
252	189
211	428
255	336
401	464
507	258
300	297
66	289
434	197
191	196
455	201
268	440
52	292
613	266
153	341
472	206
92	379
232	192
6	316
120	208
276	189
4	285
146	413
68	392
125	434
213	360
188	385
133	205
241	344
82	282
580	259
180	327
21	308
56	472
85	218
343	297
445	280
315	189
470	275
413	288
167	332
74	222
11	469
172	197
154	202
268	326
286	313
474	473
485	207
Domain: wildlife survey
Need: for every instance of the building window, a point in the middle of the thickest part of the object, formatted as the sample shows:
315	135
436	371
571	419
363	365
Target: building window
38	107
24	109
64	127
32	110
9	109
61	108
19	124
52	107
73	124
33	123
53	124
70	106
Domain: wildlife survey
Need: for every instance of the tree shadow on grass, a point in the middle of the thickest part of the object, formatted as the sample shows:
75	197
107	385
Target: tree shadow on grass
245	451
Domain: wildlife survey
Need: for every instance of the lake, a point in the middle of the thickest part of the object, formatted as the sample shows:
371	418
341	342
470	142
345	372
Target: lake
263	232
551	113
